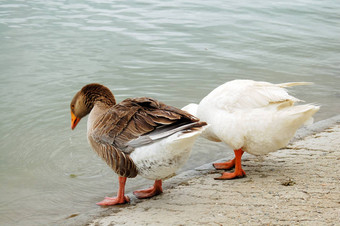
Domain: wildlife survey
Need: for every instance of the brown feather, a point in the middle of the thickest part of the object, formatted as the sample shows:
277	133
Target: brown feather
161	120
126	121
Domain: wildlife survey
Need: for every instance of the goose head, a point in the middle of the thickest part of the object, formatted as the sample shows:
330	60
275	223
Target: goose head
85	99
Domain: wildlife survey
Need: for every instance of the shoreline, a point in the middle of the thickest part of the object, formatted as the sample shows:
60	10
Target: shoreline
298	184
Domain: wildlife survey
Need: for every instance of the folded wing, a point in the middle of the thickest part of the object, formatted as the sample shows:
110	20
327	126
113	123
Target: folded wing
134	123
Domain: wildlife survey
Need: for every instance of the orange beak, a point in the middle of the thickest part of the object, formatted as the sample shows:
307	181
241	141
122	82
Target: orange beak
74	121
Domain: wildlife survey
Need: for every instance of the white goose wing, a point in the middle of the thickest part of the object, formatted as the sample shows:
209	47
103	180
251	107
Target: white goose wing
248	94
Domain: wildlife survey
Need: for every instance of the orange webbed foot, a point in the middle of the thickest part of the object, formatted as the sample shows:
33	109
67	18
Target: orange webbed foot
224	165
120	199
234	175
147	193
111	201
156	189
239	172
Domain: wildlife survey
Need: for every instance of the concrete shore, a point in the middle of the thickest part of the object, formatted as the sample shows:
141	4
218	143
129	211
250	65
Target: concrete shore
298	185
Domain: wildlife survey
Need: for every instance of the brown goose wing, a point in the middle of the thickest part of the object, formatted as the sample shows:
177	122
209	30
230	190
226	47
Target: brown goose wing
136	122
153	120
136	117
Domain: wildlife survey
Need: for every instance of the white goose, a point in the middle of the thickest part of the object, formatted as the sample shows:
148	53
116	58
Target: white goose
136	136
255	117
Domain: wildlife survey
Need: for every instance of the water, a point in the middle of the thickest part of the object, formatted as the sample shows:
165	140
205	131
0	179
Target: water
174	51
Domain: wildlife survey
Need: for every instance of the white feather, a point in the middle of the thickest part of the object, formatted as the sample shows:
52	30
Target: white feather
163	158
259	117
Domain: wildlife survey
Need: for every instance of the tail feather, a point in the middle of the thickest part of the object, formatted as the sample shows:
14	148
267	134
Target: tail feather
289	84
303	113
166	132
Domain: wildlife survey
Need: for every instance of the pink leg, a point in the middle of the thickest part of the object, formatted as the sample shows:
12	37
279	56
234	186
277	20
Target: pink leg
156	189
120	199
239	172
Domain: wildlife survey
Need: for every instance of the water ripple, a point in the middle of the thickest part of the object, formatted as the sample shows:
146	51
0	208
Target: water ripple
174	51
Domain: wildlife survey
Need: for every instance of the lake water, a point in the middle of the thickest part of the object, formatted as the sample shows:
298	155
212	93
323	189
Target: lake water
175	51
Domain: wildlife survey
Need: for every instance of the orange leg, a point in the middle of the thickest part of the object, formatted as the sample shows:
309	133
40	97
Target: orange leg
239	172
225	165
156	189
120	199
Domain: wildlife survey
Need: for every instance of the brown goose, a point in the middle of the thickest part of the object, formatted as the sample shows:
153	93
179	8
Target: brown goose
137	136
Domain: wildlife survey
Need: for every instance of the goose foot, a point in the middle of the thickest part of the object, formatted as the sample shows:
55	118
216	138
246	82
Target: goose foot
239	172
111	201
156	189
120	199
224	165
234	175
